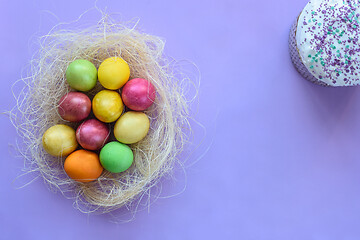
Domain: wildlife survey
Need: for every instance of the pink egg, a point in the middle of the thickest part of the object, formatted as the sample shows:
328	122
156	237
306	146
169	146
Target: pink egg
74	106
92	134
138	94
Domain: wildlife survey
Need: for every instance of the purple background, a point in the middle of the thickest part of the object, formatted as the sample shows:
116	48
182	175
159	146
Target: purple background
281	154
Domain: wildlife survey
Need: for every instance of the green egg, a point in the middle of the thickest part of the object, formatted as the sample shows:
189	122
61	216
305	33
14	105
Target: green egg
116	157
81	75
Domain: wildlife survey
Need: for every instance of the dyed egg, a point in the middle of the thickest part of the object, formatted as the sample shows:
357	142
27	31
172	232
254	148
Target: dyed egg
116	157
74	106
138	94
131	127
107	106
59	140
81	75
83	166
113	73
92	134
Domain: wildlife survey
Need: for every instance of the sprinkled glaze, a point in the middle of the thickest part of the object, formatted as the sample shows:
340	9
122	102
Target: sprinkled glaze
327	37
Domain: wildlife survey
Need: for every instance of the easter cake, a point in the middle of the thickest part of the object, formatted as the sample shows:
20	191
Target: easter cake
324	42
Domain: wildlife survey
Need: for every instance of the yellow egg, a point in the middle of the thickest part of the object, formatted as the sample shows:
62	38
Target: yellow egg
131	127
59	140
107	106
113	73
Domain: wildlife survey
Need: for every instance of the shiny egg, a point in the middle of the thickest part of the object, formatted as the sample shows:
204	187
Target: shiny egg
59	140
116	157
107	106
83	166
81	75
138	94
113	73
74	106
92	134
131	127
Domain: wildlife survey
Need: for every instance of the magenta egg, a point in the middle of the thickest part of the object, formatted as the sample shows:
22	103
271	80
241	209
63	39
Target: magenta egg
138	94
74	106
92	134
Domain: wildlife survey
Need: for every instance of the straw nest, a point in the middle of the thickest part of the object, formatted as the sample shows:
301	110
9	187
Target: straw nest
37	103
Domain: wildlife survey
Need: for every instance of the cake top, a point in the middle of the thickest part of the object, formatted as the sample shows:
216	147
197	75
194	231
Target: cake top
327	37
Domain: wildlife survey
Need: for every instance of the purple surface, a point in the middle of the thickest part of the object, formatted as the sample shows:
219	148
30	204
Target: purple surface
283	161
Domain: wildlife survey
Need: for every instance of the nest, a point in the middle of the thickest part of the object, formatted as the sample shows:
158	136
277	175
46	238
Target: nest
37	103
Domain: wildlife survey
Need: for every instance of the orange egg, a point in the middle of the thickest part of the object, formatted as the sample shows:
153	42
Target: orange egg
83	166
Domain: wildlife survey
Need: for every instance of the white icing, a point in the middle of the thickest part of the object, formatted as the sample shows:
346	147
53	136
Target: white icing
337	56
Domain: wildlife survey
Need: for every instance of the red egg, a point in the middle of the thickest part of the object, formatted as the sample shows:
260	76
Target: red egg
92	134
74	106
138	94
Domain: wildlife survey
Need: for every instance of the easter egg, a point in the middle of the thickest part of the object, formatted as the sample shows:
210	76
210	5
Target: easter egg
113	73
92	134
81	75
116	157
83	166
74	106
107	106
138	94
59	140
131	127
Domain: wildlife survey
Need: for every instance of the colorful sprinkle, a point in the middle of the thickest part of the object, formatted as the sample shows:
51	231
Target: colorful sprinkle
330	34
